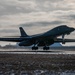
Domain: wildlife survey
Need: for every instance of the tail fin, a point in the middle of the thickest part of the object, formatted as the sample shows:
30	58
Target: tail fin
23	33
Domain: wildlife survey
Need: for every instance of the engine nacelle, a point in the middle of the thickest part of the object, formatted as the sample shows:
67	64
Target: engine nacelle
25	43
43	43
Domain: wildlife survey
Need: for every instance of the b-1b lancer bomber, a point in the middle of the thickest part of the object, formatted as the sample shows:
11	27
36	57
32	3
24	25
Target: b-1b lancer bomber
44	39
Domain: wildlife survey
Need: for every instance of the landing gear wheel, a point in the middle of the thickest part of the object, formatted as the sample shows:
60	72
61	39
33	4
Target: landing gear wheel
34	48
45	48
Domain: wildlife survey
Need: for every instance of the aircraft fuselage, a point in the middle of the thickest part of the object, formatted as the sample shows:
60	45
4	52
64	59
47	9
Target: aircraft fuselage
43	39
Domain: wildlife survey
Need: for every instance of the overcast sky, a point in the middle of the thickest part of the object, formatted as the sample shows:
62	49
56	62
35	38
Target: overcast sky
35	16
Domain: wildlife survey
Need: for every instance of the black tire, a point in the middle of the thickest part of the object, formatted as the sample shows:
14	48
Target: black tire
34	48
45	48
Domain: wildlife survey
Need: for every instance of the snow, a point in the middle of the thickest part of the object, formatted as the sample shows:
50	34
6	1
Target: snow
56	45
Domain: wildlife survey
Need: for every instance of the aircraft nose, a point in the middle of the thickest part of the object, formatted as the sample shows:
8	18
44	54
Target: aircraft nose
72	29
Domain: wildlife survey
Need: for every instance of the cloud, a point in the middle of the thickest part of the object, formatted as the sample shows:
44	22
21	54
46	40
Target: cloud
44	17
14	13
71	17
44	23
14	6
9	7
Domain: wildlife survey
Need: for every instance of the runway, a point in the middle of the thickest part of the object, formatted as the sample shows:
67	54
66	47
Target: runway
20	60
40	51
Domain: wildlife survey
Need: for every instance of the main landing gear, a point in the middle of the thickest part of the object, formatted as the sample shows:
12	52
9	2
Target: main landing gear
46	48
34	48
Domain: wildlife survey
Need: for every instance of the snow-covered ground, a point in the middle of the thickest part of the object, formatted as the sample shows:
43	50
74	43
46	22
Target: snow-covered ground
56	45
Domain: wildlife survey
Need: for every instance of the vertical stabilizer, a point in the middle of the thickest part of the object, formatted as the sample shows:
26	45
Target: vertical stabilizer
23	33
